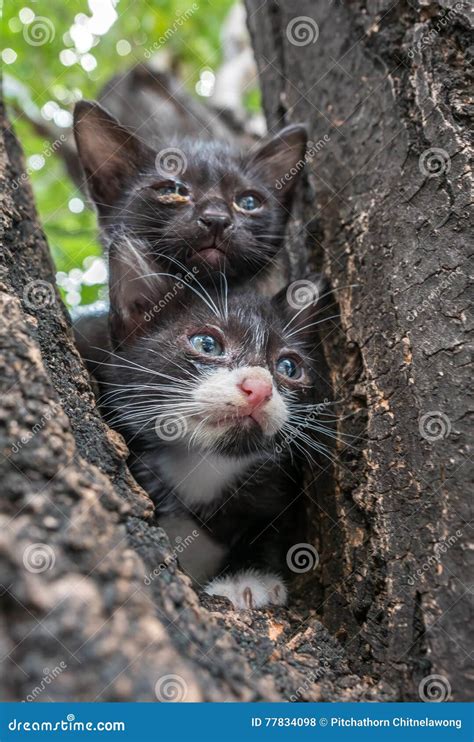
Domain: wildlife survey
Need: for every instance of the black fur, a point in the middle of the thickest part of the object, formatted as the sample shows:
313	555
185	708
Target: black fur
260	515
204	229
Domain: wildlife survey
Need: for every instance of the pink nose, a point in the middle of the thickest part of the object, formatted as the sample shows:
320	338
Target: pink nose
257	390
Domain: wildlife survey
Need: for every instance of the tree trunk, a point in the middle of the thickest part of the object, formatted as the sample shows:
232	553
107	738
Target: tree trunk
383	87
94	606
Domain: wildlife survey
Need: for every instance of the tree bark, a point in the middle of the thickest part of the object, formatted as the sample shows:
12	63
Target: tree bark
94	606
383	87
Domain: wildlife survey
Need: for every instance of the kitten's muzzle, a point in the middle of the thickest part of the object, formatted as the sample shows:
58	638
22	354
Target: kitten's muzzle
256	391
214	227
215	223
243	398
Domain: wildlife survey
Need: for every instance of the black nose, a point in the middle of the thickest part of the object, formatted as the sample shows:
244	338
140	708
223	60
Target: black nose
215	222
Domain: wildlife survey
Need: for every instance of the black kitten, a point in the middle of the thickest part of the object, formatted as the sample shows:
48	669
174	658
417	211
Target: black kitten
216	396
194	201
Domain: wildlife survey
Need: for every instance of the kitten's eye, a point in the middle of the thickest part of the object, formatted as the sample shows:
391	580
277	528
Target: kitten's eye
172	191
207	345
248	202
289	368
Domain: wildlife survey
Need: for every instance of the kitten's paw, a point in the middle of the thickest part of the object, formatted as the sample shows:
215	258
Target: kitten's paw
249	589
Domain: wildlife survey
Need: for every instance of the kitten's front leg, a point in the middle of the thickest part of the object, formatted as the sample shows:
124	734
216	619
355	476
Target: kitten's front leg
199	555
250	588
262	526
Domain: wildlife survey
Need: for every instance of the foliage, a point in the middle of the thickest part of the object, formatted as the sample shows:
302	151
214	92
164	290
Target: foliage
51	59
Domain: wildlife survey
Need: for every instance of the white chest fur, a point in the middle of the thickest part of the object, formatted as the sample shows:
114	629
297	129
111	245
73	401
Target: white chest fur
200	478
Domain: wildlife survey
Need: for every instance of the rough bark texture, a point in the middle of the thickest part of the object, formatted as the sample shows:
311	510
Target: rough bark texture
78	538
388	82
88	612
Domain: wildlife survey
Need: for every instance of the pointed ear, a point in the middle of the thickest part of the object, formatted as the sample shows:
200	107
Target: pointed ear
137	293
110	155
280	161
301	303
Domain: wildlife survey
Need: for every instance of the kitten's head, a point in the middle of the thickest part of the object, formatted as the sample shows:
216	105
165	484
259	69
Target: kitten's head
229	373
198	202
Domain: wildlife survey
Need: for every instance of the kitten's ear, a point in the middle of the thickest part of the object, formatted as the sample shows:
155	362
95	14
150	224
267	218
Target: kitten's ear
280	161
110	155
302	303
136	292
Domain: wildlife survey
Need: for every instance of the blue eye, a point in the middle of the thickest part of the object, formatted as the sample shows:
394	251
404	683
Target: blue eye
248	202
288	367
207	345
176	189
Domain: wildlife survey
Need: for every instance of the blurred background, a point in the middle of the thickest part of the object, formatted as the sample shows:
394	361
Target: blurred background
56	52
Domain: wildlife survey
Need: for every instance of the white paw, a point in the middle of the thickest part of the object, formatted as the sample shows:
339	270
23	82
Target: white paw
249	589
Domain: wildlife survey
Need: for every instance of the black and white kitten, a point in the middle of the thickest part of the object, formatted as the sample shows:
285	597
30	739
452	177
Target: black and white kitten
216	396
196	201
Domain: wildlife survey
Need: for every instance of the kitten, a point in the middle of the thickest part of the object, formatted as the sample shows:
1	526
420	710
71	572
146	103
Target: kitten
216	396
195	201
